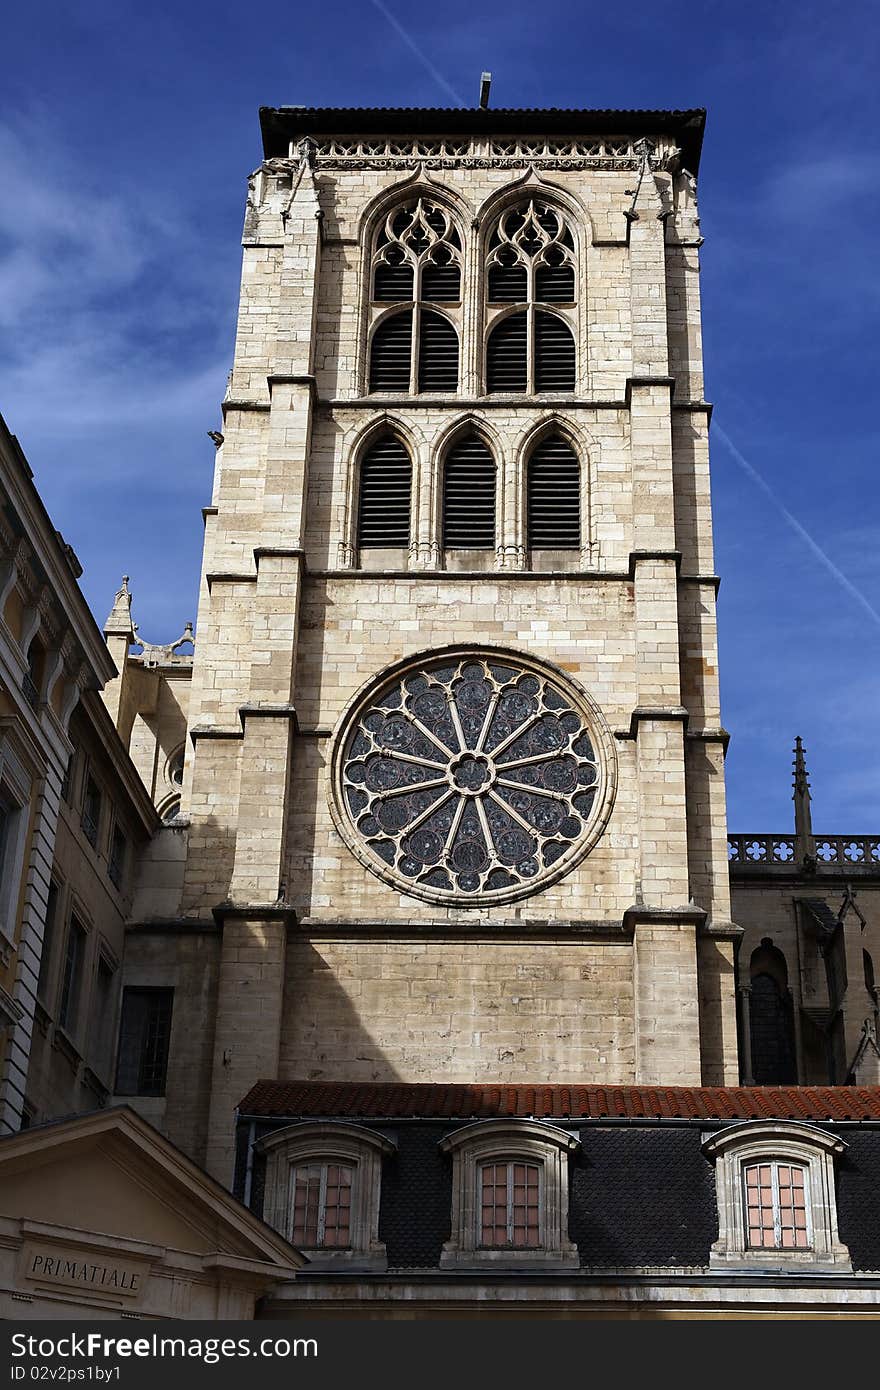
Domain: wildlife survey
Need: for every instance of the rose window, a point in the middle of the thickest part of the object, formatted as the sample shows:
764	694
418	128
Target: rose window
470	777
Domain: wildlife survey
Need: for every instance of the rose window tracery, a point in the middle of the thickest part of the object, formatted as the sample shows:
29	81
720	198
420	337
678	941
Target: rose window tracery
471	777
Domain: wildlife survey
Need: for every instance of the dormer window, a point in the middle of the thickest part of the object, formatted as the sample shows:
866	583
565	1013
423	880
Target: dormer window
776	1196
322	1188
510	1195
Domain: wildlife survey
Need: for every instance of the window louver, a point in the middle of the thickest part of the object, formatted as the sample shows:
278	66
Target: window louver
469	497
554	354
506	355
385	490
438	354
393	283
508	284
554	501
390	354
554	284
441	284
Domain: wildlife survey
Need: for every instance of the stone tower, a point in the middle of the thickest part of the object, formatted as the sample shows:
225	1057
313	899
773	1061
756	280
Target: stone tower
453	803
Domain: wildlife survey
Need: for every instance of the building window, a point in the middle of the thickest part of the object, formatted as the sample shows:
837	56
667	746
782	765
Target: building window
33	676
49	930
175	768
71	982
774	1183
102	1011
384	496
530	348
510	1195
777	1211
553	494
416	262
8	814
510	1205
322	1191
144	1037
91	810
321	1206
117	856
771	1018
469	496
15	797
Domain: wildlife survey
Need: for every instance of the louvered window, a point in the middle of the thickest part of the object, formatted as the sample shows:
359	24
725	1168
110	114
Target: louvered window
384	495
554	501
531	262
416	260
391	354
469	496
507	356
554	353
438	353
393	282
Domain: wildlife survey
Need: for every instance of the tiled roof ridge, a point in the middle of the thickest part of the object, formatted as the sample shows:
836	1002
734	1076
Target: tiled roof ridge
482	1100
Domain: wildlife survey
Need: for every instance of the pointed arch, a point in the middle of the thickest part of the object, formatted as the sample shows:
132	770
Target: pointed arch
414	256
584	449
469	486
532	252
771	1022
357	448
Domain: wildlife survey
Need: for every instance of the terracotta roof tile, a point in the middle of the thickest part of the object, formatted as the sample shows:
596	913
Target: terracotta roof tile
393	1100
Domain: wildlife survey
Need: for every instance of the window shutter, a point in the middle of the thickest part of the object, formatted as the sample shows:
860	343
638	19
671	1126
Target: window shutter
508	284
554	284
438	353
441	284
554	503
385	489
469	497
393	282
506	355
554	354
390	354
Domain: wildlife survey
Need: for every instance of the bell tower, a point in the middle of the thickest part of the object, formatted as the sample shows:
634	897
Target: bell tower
454	806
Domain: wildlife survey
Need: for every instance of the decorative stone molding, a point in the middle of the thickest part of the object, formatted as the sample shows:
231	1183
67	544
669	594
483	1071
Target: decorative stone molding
519	1140
322	1142
774	1141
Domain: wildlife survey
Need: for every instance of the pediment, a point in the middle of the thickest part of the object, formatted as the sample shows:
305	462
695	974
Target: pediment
110	1173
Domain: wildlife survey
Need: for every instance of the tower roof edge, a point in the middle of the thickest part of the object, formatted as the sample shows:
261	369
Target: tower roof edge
282	124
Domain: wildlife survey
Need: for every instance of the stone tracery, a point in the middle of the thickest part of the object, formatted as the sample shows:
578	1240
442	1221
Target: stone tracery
470	777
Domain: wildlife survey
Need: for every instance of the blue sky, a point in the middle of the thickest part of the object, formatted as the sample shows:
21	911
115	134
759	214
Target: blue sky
126	135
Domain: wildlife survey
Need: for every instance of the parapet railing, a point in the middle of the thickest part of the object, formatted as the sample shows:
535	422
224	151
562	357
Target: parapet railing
848	850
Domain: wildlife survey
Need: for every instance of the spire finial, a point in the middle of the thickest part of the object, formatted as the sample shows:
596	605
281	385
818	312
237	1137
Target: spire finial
118	622
803	820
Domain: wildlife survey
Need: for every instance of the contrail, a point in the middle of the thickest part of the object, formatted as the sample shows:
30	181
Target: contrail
795	525
422	57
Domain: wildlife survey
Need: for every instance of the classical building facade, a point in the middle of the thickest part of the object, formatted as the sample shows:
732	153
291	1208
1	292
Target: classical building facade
437	951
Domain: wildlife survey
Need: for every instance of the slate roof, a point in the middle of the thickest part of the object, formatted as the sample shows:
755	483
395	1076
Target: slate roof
396	1100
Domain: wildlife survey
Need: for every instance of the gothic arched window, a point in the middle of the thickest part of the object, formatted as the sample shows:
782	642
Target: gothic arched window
771	1025
469	496
553	496
531	264
416	263
384	495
